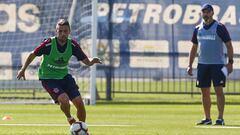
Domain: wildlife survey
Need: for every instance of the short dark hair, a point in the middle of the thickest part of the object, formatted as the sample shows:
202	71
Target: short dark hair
63	22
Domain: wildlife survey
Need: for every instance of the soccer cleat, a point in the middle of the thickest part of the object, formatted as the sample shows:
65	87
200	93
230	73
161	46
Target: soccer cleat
220	122
205	122
71	120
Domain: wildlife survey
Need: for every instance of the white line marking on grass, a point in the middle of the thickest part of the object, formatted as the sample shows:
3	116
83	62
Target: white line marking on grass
217	127
64	125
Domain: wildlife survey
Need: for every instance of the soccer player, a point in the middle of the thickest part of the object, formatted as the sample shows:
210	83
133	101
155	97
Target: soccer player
53	71
210	37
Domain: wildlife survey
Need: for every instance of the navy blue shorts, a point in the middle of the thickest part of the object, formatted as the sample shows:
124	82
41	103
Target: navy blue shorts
210	72
56	87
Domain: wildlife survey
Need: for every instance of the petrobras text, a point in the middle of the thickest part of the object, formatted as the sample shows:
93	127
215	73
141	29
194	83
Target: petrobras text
25	16
152	13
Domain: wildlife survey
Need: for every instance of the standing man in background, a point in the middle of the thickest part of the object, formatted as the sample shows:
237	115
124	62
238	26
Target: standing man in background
210	37
53	71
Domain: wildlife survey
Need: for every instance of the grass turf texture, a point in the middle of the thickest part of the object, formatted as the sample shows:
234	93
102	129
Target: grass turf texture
146	119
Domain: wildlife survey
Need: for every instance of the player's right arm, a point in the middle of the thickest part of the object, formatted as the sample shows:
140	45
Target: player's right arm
224	35
81	56
21	72
193	51
43	48
192	55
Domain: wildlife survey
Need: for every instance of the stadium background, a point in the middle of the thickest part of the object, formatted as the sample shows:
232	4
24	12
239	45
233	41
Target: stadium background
144	43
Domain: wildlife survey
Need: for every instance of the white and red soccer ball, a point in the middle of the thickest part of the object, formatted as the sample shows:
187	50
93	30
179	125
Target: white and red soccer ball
79	128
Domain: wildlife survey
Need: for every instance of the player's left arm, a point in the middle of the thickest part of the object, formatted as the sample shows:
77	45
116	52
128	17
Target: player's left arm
81	56
230	56
91	61
224	35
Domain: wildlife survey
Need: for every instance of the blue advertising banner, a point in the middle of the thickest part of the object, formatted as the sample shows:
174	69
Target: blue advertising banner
133	34
156	34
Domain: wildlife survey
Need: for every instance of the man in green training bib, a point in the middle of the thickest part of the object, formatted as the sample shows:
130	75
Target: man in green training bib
53	71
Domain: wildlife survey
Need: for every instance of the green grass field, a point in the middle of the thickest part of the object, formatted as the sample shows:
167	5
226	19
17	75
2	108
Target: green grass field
127	114
119	119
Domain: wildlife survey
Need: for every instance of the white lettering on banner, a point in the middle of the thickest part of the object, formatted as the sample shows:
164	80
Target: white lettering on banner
25	17
236	49
6	72
152	13
149	62
103	9
135	11
192	14
156	13
184	46
216	11
230	16
154	46
10	25
149	46
167	14
118	12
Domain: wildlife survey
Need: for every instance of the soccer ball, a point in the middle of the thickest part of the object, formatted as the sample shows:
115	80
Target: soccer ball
79	128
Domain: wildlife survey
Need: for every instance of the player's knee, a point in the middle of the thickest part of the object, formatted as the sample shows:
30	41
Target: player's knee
219	93
80	106
63	98
78	102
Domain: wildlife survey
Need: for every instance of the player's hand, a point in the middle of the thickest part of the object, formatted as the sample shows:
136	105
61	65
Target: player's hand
97	60
229	68
21	74
189	70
